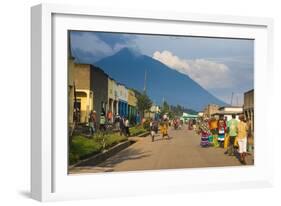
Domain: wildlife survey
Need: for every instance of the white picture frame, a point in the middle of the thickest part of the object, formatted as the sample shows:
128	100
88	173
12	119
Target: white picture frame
49	178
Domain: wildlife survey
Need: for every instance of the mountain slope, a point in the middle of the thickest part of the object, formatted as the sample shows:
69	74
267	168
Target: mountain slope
129	67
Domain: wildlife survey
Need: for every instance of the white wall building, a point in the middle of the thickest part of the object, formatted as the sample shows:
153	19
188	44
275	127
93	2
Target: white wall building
228	111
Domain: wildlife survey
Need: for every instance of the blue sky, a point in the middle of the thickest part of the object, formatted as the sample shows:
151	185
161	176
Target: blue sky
220	65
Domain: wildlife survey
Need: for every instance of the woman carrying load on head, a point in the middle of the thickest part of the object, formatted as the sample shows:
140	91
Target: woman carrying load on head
165	126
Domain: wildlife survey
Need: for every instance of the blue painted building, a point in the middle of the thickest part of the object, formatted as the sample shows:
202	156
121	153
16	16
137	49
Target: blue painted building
123	100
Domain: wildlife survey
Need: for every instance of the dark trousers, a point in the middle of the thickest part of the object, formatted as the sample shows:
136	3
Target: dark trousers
127	131
102	127
122	131
230	149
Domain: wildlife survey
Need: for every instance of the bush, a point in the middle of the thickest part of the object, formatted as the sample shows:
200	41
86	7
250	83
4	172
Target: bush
82	147
114	139
73	158
134	131
146	125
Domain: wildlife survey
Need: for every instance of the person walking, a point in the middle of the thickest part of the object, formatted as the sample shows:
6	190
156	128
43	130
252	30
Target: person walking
213	126
92	122
250	137
153	129
204	132
232	132
122	126
117	122
165	126
138	118
102	121
127	127
242	138
221	130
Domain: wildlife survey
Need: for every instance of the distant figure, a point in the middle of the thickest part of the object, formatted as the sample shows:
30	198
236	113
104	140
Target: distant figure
181	123
92	122
127	127
232	132
117	122
190	127
250	137
164	128
175	124
242	138
102	120
122	126
153	129
221	130
213	125
138	119
204	131
109	116
76	115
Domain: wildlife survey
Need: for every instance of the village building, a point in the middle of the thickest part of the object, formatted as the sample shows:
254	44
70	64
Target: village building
83	92
99	85
228	111
87	90
112	109
210	109
70	89
122	100
132	105
153	112
248	107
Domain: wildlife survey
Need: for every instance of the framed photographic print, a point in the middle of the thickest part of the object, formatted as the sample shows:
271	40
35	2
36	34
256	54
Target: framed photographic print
135	102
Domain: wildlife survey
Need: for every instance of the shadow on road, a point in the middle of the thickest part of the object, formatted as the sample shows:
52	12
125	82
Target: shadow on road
128	154
160	138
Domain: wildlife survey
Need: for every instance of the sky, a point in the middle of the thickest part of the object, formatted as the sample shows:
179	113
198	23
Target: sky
221	66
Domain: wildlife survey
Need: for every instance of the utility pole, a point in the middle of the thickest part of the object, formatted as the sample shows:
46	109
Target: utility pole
144	87
231	98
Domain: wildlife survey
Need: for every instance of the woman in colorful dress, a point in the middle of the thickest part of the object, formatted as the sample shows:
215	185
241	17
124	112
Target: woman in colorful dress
221	131
204	132
213	125
164	127
242	138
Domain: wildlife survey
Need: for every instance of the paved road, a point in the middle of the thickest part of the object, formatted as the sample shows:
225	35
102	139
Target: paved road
182	150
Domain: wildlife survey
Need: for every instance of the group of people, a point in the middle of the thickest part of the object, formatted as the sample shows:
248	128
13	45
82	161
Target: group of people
177	123
231	135
93	121
121	123
164	126
192	124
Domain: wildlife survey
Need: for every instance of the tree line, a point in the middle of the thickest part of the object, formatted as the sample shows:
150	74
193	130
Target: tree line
144	104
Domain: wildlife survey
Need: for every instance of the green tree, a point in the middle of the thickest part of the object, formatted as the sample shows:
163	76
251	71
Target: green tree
144	103
166	109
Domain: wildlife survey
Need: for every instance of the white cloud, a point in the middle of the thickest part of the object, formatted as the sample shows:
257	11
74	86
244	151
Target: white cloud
208	74
88	42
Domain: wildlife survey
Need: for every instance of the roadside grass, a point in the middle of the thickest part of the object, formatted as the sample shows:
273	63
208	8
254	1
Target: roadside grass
137	130
83	147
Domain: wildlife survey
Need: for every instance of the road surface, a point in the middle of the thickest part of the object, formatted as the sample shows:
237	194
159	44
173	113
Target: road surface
182	150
